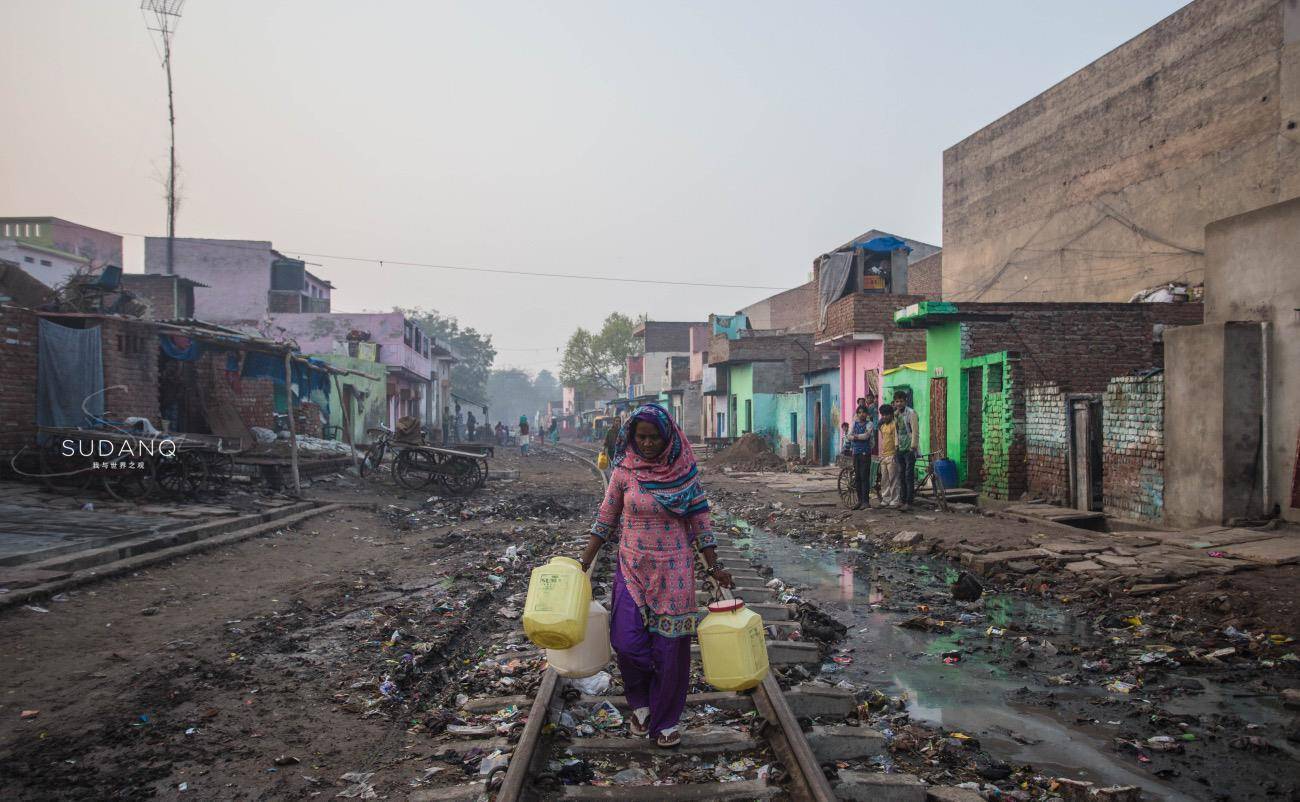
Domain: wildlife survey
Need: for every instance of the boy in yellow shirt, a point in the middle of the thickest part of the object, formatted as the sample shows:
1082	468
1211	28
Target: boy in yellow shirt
888	451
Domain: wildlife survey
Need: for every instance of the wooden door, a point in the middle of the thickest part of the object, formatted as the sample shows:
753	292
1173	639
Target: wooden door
939	416
1085	454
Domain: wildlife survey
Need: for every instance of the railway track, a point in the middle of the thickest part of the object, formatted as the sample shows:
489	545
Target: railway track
760	735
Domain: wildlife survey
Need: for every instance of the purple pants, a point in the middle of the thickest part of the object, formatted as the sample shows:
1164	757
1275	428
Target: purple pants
656	670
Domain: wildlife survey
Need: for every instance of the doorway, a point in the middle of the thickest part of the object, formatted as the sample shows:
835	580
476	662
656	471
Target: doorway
749	415
817	433
1085	454
939	417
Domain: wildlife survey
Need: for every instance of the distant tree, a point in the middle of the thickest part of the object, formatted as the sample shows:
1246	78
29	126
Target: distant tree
469	376
595	361
546	387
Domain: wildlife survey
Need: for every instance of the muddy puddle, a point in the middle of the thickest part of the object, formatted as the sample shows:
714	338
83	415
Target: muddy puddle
1067	730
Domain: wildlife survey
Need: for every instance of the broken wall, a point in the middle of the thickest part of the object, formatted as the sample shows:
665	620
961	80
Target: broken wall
1133	448
18	355
1047	442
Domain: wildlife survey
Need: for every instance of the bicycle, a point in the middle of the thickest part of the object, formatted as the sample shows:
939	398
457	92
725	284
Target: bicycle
937	488
374	458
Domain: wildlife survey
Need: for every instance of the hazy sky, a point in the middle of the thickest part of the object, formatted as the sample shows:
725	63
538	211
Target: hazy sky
725	142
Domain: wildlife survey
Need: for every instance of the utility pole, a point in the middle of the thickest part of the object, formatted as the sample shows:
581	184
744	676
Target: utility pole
166	17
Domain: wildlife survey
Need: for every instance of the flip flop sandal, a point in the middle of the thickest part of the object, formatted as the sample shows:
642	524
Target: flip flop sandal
638	728
667	740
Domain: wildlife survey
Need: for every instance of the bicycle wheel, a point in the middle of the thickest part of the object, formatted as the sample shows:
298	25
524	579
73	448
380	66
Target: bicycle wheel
373	459
848	486
415	469
127	480
460	476
66	474
220	468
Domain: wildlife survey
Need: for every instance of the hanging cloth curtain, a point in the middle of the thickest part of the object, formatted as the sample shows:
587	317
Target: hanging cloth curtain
69	376
831	281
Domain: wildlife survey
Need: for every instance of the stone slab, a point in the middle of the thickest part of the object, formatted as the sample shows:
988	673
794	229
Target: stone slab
846	742
1277	551
700	742
1116	561
862	786
1084	567
950	793
703	792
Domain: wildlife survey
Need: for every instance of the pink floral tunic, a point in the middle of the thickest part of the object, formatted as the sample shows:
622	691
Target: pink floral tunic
655	553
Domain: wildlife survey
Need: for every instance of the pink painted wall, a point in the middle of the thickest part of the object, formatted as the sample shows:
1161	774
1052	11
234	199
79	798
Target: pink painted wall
856	358
316	333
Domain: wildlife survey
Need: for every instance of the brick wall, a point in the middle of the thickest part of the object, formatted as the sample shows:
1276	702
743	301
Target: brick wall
874	314
1047	446
306	419
925	277
1003	424
974	425
1133	447
18	378
797	351
130	350
158	292
252	398
1079	346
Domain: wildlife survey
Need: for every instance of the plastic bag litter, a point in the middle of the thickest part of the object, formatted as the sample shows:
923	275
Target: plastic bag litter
606	717
595	685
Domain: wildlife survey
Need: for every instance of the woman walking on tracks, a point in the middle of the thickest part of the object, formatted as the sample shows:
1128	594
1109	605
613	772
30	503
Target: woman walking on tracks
654	500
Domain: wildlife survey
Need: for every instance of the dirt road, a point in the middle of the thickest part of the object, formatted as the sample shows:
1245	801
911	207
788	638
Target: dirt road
250	672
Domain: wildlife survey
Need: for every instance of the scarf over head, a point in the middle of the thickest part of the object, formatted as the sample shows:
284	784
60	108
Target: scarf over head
672	477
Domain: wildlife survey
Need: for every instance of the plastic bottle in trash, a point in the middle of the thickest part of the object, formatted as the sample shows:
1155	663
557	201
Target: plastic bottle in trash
558	602
732	646
589	656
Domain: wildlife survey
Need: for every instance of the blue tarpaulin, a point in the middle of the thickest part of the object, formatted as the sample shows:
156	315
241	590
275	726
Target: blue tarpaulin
883	245
310	382
180	348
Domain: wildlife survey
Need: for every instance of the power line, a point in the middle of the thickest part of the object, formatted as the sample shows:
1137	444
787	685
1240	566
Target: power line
380	262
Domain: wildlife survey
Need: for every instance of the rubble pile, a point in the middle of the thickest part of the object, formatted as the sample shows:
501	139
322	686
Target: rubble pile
749	453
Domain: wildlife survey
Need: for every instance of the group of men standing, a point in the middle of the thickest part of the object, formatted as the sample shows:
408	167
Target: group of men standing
886	435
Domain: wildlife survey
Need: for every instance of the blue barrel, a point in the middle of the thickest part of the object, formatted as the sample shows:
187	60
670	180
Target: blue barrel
946	470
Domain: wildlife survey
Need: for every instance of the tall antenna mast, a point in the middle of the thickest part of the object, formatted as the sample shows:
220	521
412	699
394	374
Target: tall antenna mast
162	17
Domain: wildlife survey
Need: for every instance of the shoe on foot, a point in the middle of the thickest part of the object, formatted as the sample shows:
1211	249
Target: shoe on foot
856	507
639	722
668	738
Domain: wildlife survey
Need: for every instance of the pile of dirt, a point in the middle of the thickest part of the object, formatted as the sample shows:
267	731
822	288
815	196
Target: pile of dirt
749	453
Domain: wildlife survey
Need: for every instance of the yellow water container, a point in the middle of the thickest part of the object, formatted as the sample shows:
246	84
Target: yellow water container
732	646
589	656
559	599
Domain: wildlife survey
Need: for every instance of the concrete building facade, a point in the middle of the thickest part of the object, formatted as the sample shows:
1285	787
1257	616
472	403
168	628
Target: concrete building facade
242	279
1232	406
1103	185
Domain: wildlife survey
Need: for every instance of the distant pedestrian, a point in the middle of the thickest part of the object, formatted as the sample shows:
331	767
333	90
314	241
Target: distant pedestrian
523	435
909	442
860	439
553	433
458	428
887	441
471	425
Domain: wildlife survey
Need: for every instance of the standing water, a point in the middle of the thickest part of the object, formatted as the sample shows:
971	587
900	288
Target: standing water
975	695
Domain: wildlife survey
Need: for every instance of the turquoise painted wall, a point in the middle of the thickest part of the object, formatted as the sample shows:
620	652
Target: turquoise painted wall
782	406
823	386
370	399
742	390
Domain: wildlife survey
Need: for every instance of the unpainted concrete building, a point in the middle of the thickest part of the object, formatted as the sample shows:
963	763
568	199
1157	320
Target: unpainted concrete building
1103	185
1233	402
